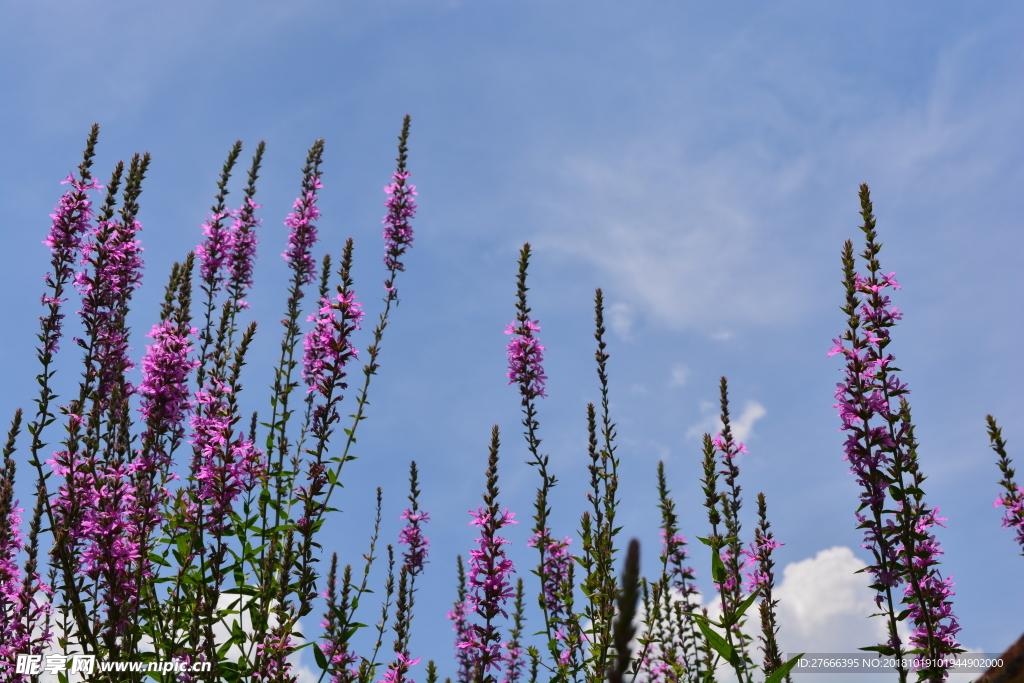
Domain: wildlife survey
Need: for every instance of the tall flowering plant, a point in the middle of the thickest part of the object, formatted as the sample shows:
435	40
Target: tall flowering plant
209	560
882	453
1013	499
150	558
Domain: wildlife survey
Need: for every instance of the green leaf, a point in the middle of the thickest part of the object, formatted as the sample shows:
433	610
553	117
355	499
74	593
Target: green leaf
321	658
706	541
706	620
781	672
883	649
721	646
718	570
157	559
747	603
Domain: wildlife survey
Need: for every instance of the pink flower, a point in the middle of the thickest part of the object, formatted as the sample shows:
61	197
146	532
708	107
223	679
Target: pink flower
165	370
302	233
225	467
213	252
401	208
396	671
228	251
243	249
1014	515
112	257
488	583
328	347
413	537
557	561
525	355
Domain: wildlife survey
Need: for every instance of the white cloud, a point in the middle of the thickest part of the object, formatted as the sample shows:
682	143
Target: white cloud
680	373
824	605
742	426
621	320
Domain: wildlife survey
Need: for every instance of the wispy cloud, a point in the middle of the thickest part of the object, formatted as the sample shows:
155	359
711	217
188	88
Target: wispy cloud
742	426
680	373
621	320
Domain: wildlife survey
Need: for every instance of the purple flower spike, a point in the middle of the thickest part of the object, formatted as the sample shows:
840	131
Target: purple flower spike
757	556
114	264
934	591
165	370
401	208
1013	499
488	584
882	453
71	219
413	537
275	652
225	468
525	355
1014	515
15	630
328	347
396	672
557	561
230	250
489	560
242	249
213	252
302	233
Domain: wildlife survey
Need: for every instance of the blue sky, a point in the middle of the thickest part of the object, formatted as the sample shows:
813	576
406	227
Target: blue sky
699	162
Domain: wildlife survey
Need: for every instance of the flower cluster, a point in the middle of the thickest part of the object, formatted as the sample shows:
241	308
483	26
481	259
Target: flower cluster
1014	514
681	576
214	252
883	457
228	252
401	208
274	653
243	249
71	221
1013	499
557	565
488	583
165	370
95	508
328	347
396	672
757	555
412	536
302	232
224	467
525	355
113	259
20	609
930	609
